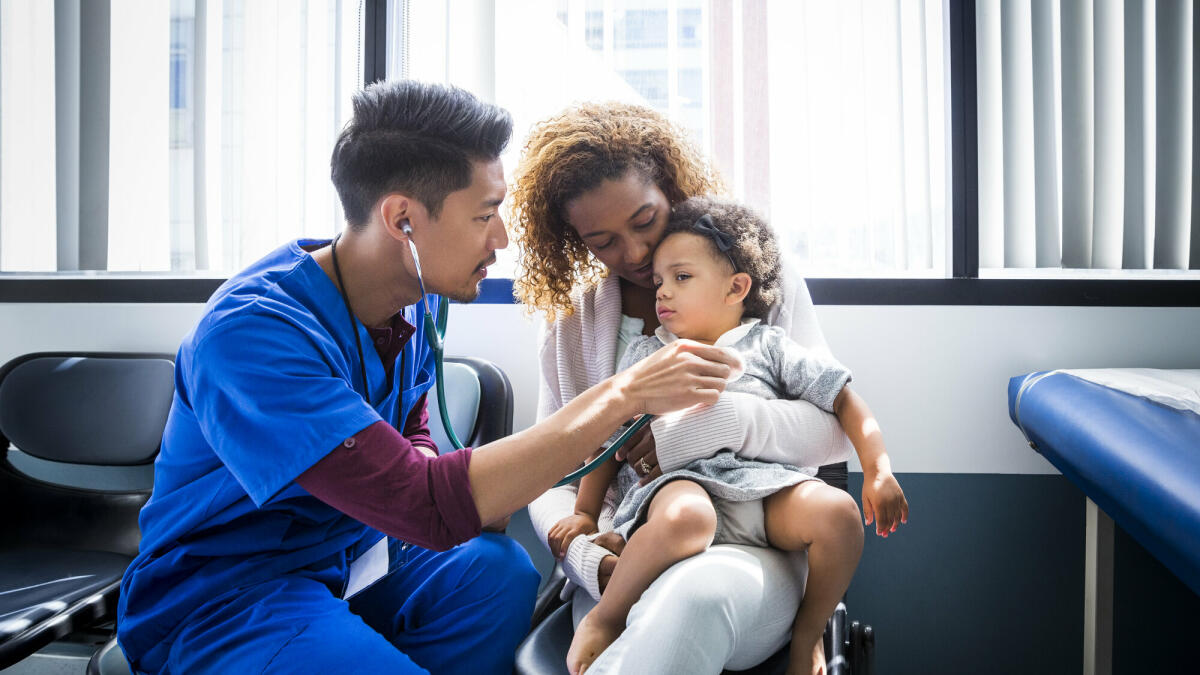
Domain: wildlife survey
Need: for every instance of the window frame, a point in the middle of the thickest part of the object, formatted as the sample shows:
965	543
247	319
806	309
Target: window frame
962	287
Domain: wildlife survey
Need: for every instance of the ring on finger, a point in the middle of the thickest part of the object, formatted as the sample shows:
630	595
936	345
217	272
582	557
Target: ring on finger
644	466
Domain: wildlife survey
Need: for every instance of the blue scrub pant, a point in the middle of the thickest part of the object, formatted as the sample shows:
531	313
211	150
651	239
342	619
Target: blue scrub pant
459	611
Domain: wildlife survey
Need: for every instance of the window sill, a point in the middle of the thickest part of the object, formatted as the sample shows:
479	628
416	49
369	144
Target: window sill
825	291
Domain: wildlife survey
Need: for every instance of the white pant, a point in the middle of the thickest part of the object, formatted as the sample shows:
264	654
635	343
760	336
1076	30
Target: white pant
729	607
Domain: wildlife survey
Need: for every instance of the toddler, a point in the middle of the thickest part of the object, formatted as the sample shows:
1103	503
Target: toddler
717	272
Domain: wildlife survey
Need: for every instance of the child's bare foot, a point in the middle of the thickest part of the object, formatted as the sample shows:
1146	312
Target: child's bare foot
801	666
592	637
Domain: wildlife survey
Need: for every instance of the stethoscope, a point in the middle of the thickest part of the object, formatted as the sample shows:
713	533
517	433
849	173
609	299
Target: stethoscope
435	336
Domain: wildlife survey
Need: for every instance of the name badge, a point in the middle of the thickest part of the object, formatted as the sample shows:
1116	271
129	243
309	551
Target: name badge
368	568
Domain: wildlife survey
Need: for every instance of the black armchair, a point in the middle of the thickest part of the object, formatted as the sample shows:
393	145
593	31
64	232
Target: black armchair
849	650
63	548
480	399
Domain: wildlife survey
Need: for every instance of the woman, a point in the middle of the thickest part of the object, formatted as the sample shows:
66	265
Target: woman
593	194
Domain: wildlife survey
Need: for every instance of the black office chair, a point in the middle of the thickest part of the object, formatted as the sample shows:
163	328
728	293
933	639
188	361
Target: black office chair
849	650
480	401
63	548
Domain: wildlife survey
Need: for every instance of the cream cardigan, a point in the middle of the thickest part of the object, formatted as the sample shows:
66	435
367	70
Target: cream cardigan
579	351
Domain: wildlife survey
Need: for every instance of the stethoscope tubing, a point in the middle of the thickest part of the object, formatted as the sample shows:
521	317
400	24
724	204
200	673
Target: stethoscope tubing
435	335
608	452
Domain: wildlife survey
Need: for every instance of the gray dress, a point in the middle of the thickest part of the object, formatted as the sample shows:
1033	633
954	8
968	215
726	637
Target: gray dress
775	367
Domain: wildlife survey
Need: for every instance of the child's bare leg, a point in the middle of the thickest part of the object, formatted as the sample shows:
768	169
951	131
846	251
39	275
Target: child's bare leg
680	523
824	520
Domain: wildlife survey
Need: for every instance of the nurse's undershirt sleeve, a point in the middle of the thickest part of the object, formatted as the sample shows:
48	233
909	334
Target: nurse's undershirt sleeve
380	478
416	429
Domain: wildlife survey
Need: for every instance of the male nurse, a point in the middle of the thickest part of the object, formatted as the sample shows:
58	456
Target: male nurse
302	520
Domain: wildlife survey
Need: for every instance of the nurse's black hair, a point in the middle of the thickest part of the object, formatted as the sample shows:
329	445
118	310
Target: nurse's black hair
416	138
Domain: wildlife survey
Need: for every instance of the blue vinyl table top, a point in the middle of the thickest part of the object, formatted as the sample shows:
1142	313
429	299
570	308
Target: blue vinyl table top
1139	461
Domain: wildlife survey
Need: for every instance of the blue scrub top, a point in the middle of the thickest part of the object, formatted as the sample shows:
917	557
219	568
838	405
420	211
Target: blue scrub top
266	385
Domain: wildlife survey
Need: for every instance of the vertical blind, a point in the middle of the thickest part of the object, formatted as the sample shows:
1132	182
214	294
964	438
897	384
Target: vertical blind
180	136
1086	134
854	134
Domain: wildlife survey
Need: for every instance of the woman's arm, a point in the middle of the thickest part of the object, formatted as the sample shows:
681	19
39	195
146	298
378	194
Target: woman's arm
559	502
791	432
507	474
582	562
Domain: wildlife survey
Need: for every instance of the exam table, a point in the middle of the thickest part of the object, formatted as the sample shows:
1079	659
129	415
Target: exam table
1130	440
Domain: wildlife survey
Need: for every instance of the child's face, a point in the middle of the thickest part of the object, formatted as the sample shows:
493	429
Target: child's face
692	287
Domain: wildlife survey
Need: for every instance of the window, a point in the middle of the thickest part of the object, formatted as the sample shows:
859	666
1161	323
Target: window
160	139
691	87
689	27
594	30
641	29
829	117
651	85
1086	155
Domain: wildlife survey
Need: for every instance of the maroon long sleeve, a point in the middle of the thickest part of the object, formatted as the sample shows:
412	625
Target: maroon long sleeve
381	478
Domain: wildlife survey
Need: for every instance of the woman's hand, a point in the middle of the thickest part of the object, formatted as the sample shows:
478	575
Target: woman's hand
883	502
679	375
613	542
640	453
564	532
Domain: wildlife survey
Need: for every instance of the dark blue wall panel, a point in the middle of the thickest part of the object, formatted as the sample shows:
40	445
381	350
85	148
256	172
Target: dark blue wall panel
986	577
1156	622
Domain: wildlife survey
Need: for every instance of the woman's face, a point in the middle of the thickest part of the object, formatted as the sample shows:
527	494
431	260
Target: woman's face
621	221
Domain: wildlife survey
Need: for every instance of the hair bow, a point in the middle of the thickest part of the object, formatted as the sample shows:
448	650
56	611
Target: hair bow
724	241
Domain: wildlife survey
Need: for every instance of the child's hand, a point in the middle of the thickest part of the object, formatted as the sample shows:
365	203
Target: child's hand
565	531
884	502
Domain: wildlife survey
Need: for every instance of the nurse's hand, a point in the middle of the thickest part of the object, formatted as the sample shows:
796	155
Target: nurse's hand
680	375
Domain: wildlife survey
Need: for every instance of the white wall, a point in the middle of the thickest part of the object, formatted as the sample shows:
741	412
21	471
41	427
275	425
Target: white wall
936	377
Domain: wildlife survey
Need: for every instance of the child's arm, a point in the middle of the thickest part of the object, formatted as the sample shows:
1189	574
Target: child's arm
587	508
883	500
592	488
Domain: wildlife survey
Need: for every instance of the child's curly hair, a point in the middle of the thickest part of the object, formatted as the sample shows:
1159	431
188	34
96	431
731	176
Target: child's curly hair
754	250
571	153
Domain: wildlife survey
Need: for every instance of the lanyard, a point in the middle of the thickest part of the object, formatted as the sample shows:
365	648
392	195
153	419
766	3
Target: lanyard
362	361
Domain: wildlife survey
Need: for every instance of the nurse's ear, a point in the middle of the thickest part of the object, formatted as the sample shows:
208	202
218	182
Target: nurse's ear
397	213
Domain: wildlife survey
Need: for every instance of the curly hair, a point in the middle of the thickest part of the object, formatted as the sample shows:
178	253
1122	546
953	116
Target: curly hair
754	250
572	153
